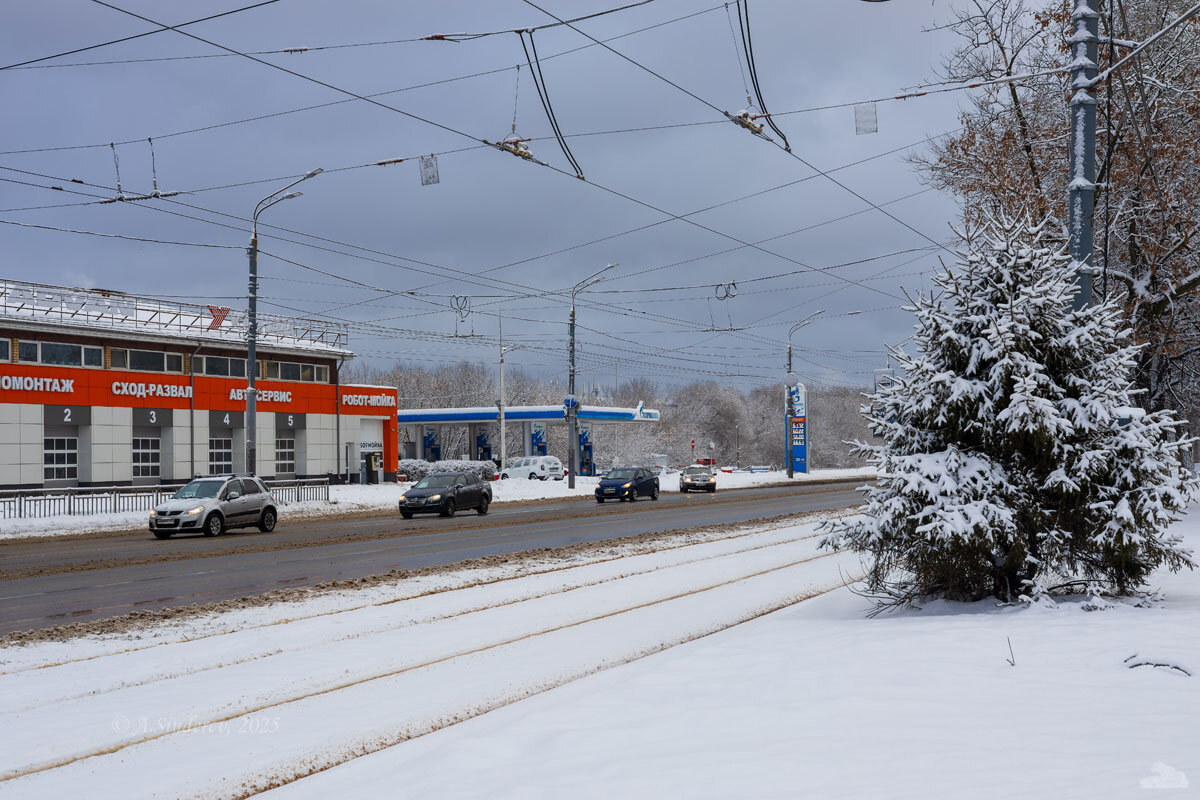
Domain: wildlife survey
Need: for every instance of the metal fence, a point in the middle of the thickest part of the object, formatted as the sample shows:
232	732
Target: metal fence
78	501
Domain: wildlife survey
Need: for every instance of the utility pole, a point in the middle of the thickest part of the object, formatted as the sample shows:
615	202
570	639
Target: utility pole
1081	190
787	399
503	443
573	402
252	321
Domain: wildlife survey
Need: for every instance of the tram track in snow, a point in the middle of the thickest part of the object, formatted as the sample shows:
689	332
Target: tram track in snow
689	576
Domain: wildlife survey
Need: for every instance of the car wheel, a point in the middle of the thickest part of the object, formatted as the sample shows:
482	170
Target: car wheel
406	514
533	476
162	534
214	525
599	499
448	508
713	490
483	507
654	494
267	523
503	476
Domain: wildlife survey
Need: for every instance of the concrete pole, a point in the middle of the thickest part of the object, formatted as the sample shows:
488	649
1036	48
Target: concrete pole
251	360
1082	187
787	395
503	443
572	419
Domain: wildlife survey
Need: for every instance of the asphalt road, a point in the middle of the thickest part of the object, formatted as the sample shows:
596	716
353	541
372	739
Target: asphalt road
57	581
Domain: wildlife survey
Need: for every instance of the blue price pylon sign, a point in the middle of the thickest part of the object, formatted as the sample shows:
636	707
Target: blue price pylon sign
798	442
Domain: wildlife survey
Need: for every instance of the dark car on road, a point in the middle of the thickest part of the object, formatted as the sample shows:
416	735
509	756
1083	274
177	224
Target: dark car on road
627	483
446	493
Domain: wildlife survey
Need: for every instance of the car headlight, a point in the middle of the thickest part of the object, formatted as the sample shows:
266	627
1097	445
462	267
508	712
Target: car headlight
434	497
626	485
712	479
191	512
153	513
401	498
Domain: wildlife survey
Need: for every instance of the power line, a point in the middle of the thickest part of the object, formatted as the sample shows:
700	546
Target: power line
140	35
457	132
116	235
700	99
317	106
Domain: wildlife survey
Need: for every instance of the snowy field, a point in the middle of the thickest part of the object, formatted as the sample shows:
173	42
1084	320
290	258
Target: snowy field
660	674
379	497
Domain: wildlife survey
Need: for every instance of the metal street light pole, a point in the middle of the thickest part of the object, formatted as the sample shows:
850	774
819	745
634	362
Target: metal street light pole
572	403
252	322
503	440
787	392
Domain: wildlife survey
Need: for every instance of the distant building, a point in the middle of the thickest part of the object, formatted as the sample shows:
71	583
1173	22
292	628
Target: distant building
101	388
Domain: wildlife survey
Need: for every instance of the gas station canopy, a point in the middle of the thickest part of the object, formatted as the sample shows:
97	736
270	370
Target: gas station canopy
484	415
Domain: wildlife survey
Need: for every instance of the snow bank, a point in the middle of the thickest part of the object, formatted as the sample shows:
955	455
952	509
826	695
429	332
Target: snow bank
383	496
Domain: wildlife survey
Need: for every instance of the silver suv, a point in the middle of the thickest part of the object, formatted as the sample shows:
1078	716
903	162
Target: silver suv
214	505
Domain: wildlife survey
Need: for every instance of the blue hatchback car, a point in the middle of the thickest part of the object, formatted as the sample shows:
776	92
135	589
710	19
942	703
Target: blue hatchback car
627	483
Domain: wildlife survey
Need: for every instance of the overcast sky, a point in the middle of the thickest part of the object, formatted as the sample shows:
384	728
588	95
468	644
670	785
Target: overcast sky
492	209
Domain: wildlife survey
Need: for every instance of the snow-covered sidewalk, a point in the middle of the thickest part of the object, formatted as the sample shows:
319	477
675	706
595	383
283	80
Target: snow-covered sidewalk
380	497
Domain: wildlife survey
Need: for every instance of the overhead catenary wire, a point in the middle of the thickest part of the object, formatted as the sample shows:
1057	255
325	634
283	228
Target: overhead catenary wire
612	191
743	7
317	106
116	235
598	306
539	83
457	132
724	113
138	35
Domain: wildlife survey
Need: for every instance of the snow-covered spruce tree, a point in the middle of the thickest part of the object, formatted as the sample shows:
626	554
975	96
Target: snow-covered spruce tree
1013	453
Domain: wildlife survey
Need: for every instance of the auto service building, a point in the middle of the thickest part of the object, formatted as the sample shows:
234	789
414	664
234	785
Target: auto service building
100	388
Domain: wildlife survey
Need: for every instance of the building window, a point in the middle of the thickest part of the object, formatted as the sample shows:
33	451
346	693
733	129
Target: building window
220	456
58	354
146	457
225	367
285	456
273	370
6	350
289	372
140	360
322	374
146	361
60	458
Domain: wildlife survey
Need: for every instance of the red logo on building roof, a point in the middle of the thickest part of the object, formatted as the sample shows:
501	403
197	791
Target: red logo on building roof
219	313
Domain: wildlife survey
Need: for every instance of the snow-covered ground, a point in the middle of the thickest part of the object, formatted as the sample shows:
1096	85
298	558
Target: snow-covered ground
736	666
819	701
378	497
225	706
